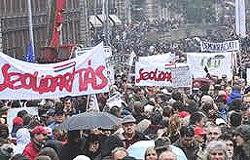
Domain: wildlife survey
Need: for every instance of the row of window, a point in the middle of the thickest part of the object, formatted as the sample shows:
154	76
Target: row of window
15	7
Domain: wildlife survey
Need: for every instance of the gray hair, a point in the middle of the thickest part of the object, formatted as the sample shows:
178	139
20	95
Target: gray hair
119	149
215	146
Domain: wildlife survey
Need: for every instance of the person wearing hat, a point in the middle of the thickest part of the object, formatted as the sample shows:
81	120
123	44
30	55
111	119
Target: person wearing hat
130	136
187	143
163	144
199	135
17	124
38	139
242	139
58	117
49	116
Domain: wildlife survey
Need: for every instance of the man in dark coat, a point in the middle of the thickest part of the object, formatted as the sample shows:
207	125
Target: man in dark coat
73	148
187	143
242	139
125	139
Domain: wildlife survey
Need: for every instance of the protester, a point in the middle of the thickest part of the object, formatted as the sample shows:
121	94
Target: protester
73	146
22	139
182	125
150	154
17	124
213	132
163	144
167	155
38	139
230	145
47	151
119	153
187	143
242	139
93	147
130	136
6	152
215	150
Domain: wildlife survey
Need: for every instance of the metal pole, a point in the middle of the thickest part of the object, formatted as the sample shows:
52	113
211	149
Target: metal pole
107	21
31	29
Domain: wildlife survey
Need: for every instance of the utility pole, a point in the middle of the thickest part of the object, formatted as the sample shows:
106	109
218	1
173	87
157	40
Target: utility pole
31	30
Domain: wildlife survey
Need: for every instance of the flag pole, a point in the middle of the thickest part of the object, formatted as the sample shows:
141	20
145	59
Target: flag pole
131	59
31	38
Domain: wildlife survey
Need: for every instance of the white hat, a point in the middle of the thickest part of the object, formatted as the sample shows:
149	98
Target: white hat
82	157
148	108
220	121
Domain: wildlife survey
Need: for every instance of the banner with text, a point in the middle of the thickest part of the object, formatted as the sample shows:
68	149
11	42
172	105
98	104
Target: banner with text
248	76
157	71
226	46
216	63
108	53
82	75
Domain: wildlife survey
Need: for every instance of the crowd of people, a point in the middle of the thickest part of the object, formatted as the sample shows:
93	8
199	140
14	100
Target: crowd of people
209	122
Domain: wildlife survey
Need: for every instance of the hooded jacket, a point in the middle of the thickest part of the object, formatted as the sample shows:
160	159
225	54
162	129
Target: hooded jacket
22	139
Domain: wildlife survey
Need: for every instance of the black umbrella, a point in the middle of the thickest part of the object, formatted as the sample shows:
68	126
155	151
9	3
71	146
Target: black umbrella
91	120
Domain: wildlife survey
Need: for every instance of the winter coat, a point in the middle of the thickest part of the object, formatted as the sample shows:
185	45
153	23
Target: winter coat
31	150
55	144
191	152
70	151
22	139
138	137
151	131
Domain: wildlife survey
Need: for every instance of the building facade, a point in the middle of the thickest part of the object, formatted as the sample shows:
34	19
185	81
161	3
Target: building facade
14	31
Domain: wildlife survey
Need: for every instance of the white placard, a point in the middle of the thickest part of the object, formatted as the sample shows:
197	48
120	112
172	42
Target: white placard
216	63
226	46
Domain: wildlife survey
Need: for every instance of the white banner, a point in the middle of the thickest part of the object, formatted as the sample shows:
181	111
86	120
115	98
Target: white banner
216	63
108	55
157	71
226	46
248	76
82	75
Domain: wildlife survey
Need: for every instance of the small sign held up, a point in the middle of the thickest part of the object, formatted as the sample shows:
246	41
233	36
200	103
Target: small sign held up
181	77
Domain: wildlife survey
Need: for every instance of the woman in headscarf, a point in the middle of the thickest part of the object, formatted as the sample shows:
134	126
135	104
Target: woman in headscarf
22	139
